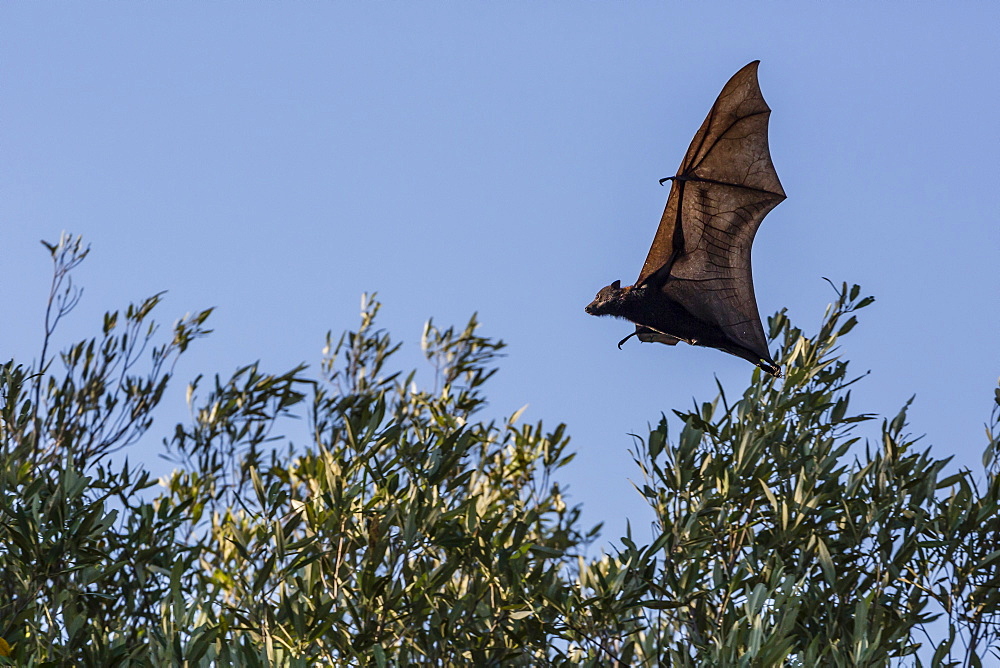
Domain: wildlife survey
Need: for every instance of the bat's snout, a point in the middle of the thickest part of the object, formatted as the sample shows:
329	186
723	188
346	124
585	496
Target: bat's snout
603	299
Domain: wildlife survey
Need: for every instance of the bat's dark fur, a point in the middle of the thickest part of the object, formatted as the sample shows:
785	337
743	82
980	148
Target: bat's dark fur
696	284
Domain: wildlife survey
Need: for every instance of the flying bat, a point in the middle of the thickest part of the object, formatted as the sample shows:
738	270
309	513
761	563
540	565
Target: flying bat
696	285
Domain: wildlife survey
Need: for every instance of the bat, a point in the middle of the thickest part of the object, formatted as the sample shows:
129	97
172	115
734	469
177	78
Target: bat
696	285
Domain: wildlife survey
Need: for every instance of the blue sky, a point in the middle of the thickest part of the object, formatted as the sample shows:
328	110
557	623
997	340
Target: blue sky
277	160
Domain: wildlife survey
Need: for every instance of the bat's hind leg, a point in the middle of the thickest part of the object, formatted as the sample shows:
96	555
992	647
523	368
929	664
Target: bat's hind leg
626	339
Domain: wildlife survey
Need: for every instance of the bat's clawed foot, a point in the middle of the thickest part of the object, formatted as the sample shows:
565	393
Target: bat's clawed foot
626	339
770	368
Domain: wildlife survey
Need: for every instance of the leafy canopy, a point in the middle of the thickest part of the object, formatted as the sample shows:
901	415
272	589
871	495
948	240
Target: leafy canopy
405	530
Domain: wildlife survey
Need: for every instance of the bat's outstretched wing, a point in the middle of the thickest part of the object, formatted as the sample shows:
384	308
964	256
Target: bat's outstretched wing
726	184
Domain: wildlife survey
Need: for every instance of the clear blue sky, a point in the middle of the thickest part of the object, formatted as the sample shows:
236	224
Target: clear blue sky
276	160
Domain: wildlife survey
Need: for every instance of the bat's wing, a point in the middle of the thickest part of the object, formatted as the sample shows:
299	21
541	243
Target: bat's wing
726	184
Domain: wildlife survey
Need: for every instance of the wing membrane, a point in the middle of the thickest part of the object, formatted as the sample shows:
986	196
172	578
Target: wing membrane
726	184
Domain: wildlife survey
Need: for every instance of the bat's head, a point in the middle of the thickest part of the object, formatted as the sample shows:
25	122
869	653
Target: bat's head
608	300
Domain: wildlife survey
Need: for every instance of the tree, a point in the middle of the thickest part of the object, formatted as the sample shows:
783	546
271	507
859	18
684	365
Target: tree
784	542
403	530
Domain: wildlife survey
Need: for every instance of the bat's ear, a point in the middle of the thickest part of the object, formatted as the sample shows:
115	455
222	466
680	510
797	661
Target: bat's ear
617	285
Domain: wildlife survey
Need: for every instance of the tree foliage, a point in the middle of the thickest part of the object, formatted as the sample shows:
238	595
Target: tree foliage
396	527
